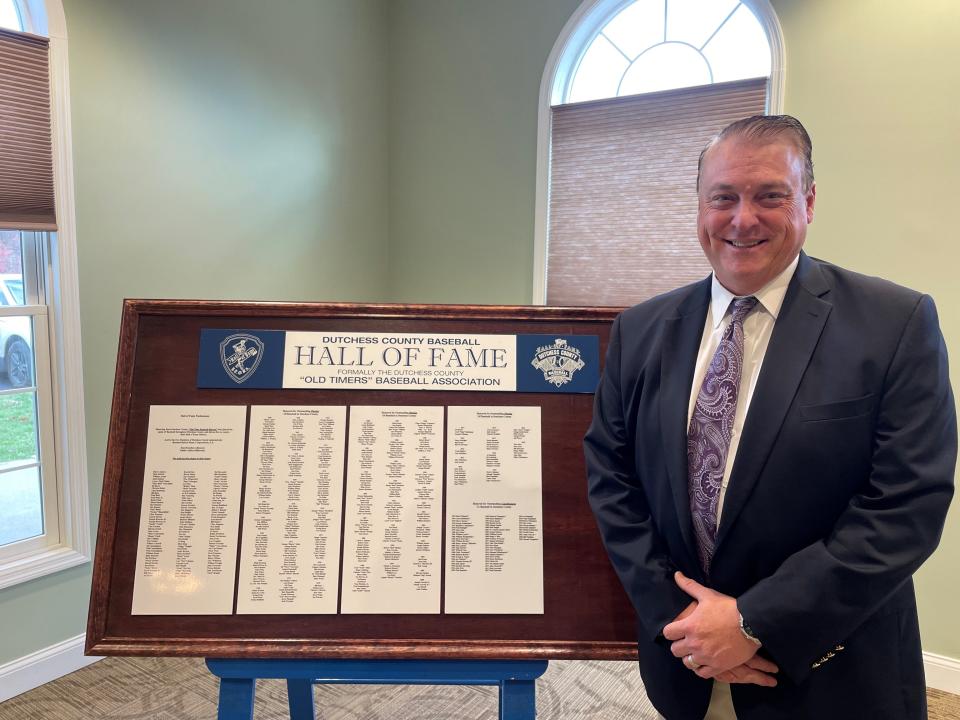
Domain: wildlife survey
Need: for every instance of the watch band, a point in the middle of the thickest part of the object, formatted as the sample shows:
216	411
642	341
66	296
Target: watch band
748	631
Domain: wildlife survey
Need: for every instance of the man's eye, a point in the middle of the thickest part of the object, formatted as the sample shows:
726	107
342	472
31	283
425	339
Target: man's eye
722	199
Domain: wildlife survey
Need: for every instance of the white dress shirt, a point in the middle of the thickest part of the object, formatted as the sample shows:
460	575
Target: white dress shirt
757	328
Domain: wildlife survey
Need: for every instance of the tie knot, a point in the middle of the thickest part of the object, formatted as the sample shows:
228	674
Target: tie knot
741	307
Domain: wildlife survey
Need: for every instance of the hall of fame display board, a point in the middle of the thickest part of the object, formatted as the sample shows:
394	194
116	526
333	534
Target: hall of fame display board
330	480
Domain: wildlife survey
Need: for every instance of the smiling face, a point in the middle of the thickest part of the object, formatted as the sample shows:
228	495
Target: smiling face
753	213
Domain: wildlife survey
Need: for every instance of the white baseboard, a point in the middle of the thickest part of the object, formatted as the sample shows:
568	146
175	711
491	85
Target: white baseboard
943	673
42	666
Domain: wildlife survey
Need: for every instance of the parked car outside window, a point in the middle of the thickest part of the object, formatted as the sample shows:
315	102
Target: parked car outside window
16	354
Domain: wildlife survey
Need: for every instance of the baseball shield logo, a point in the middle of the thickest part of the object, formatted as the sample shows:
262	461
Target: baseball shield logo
557	362
240	355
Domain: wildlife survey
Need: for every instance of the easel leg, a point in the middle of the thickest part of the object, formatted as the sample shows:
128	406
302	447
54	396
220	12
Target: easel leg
300	698
236	698
518	700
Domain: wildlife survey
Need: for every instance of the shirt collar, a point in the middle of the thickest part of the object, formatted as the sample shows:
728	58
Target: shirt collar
770	296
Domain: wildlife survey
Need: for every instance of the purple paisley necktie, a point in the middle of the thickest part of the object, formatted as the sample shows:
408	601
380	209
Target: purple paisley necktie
711	426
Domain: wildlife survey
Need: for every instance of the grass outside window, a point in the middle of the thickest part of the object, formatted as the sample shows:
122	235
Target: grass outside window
18	428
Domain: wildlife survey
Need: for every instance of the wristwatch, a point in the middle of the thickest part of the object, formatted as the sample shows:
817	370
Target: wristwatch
748	632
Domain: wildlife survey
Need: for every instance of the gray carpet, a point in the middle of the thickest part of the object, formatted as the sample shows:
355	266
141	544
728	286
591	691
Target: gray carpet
183	689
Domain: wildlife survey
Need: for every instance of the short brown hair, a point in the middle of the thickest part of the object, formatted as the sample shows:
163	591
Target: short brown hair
764	128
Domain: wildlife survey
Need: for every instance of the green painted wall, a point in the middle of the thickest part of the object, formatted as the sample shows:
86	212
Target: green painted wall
464	85
874	82
223	149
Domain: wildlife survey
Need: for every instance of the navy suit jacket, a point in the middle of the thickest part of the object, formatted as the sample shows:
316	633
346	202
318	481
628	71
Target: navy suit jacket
838	492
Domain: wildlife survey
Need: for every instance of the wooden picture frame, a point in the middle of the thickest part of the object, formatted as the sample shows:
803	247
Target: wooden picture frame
586	613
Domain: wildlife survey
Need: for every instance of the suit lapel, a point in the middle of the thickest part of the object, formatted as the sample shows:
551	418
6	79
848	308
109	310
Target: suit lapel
681	341
795	336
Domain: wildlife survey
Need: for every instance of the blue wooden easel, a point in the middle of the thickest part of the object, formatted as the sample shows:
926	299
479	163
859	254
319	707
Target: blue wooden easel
515	678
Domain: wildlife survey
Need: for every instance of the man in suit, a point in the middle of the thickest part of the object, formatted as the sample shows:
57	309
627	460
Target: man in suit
771	458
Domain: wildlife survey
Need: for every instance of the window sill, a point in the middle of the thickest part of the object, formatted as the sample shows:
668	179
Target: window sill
40	563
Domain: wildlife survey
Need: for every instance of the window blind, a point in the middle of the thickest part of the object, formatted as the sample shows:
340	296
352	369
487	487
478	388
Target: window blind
623	202
26	158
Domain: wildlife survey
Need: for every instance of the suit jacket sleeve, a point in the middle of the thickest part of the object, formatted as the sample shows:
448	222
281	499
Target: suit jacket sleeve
822	593
636	551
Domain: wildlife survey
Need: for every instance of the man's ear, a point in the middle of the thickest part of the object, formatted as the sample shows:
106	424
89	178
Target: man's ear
811	200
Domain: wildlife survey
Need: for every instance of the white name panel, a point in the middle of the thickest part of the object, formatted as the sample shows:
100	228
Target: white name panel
290	554
391	556
494	547
189	514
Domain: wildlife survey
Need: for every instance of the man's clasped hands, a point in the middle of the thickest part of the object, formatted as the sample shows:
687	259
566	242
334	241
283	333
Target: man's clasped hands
707	638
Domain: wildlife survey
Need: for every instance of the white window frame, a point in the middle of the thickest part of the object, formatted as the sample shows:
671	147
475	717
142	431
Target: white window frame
34	255
573	41
60	321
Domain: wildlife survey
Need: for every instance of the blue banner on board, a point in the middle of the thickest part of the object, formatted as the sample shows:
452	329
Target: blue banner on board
558	363
241	359
278	359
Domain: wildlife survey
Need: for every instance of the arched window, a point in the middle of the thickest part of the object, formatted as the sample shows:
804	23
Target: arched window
630	95
10	15
44	516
